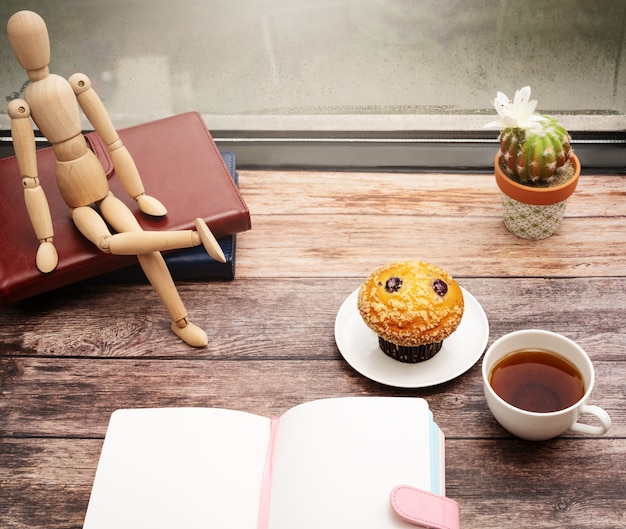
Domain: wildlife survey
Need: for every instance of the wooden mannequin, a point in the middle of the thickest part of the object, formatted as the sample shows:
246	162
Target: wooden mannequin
53	104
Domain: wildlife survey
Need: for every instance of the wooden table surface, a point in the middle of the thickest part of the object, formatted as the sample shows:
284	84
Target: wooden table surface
69	358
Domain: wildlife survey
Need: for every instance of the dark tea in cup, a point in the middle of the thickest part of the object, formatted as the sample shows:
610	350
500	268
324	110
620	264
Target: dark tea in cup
537	384
537	381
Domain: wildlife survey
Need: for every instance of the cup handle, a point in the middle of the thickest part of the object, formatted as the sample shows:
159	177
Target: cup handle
600	414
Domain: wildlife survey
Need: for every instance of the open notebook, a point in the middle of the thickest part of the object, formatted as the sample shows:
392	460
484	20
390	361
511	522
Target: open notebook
323	464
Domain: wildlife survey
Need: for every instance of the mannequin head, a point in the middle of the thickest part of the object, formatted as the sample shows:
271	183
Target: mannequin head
29	40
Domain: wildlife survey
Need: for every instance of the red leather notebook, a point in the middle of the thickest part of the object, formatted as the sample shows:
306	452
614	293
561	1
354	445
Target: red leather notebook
179	164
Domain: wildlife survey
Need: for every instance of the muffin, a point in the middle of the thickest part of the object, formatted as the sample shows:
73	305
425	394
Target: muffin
412	306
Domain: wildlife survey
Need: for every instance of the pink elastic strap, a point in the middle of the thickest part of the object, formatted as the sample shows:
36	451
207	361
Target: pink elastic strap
423	508
266	482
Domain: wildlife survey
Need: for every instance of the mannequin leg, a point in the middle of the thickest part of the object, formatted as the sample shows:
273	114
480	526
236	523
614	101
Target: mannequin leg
160	278
93	227
132	240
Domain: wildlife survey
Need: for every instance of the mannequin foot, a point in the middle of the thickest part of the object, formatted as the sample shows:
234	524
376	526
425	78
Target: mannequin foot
190	334
209	241
150	206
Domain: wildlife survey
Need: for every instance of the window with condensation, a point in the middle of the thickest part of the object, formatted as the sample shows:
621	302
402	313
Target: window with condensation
390	81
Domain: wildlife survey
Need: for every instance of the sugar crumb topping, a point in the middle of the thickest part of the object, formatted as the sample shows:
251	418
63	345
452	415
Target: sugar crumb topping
420	311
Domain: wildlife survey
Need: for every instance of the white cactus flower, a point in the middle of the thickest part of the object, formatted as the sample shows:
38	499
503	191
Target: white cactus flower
519	113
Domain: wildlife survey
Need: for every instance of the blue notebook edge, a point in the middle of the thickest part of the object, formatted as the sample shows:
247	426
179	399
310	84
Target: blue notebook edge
437	458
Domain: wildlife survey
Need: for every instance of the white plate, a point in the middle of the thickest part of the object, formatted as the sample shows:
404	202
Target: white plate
358	344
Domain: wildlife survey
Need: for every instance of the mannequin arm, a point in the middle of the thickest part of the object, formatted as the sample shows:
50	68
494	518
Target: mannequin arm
122	160
34	196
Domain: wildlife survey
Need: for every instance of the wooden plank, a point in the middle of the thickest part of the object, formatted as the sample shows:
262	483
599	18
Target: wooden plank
414	194
348	223
46	482
75	396
542	485
254	318
352	245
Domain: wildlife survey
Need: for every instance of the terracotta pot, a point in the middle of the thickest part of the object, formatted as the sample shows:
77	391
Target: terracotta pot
534	212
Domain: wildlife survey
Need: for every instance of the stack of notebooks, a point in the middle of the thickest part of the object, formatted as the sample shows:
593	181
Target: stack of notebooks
179	164
323	464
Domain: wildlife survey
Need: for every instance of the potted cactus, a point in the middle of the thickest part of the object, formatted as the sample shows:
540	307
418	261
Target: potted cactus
536	168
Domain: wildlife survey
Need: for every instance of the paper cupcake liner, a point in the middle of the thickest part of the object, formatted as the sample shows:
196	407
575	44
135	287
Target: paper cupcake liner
409	354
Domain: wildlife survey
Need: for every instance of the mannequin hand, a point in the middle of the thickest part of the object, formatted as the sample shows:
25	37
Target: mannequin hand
151	206
47	258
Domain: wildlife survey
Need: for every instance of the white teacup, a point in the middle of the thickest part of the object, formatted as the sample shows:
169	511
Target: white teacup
536	426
